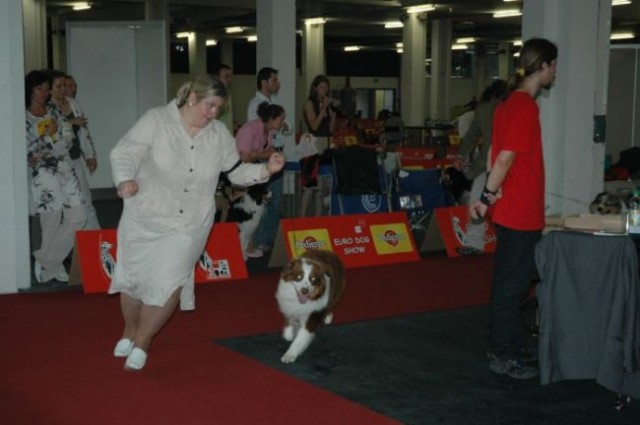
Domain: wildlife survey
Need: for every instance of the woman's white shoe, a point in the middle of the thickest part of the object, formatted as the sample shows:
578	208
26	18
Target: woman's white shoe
136	359
123	348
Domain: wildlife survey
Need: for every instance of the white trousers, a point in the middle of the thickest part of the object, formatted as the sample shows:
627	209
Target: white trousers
92	222
58	236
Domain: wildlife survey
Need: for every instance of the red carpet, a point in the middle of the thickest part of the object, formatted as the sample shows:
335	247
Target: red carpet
57	366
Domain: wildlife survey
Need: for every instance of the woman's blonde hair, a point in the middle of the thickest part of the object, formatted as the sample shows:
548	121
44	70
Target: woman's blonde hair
203	86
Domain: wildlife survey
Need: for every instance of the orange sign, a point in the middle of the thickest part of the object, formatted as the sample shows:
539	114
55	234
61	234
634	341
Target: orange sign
453	223
221	261
359	239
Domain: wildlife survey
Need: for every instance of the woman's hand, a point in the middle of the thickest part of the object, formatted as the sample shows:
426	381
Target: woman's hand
79	121
127	189
92	164
276	162
52	128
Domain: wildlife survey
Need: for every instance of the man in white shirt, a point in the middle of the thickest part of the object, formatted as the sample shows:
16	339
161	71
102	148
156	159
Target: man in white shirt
268	85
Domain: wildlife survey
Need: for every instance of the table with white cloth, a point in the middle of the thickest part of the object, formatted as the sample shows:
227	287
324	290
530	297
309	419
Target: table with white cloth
589	313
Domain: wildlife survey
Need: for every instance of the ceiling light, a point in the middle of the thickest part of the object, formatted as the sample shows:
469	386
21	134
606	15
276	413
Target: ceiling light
459	47
509	1
351	48
399	50
233	30
315	21
393	24
507	13
517	43
466	40
211	42
516	55
399	45
252	38
81	6
421	8
620	2
184	34
622	35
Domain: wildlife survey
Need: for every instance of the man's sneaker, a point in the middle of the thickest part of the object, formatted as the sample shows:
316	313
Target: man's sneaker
513	368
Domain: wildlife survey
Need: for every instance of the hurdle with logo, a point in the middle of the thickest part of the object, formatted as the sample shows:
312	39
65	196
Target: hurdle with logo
359	239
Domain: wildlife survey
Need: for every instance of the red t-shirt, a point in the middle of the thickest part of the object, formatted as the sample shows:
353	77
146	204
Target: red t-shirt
516	127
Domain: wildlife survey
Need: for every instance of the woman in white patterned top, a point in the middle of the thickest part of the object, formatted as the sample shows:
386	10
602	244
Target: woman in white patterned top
53	184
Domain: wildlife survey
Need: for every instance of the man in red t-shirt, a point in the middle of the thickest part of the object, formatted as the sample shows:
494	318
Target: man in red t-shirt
515	185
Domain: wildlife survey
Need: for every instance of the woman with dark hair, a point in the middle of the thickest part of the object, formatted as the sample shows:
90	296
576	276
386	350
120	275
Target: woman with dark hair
319	112
516	186
255	143
166	169
55	191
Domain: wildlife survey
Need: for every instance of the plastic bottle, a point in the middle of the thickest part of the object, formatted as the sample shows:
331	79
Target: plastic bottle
633	215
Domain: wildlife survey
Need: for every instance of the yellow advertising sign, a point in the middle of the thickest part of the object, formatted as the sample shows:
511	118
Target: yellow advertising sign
391	238
302	240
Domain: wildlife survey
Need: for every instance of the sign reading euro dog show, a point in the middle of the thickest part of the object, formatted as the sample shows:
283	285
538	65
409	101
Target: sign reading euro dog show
359	239
95	259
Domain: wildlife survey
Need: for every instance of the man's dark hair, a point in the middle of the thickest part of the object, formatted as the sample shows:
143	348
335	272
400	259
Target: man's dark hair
264	74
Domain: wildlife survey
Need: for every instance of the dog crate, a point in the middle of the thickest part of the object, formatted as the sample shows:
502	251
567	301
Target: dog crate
299	201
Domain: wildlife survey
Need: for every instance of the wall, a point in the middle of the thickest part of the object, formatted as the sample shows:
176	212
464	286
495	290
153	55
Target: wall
119	69
623	106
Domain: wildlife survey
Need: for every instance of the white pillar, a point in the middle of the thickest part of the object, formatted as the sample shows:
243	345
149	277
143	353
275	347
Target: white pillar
158	10
35	34
440	68
504	60
14	227
313	57
574	164
197	54
58	42
277	49
413	75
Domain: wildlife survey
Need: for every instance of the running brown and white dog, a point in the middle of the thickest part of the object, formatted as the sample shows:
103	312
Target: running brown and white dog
309	289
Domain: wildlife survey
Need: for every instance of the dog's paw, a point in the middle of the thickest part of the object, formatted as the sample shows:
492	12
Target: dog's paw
287	333
328	318
288	358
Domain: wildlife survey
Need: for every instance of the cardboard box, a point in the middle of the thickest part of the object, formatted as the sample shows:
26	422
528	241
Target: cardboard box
613	223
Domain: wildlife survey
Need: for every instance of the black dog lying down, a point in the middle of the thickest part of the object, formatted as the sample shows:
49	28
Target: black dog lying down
610	203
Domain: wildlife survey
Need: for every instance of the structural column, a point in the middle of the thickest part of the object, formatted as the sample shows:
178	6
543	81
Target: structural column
313	57
440	68
413	75
14	226
197	54
277	49
158	10
574	164
35	34
504	60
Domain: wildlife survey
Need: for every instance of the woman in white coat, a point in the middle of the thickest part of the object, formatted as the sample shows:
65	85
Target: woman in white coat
166	169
